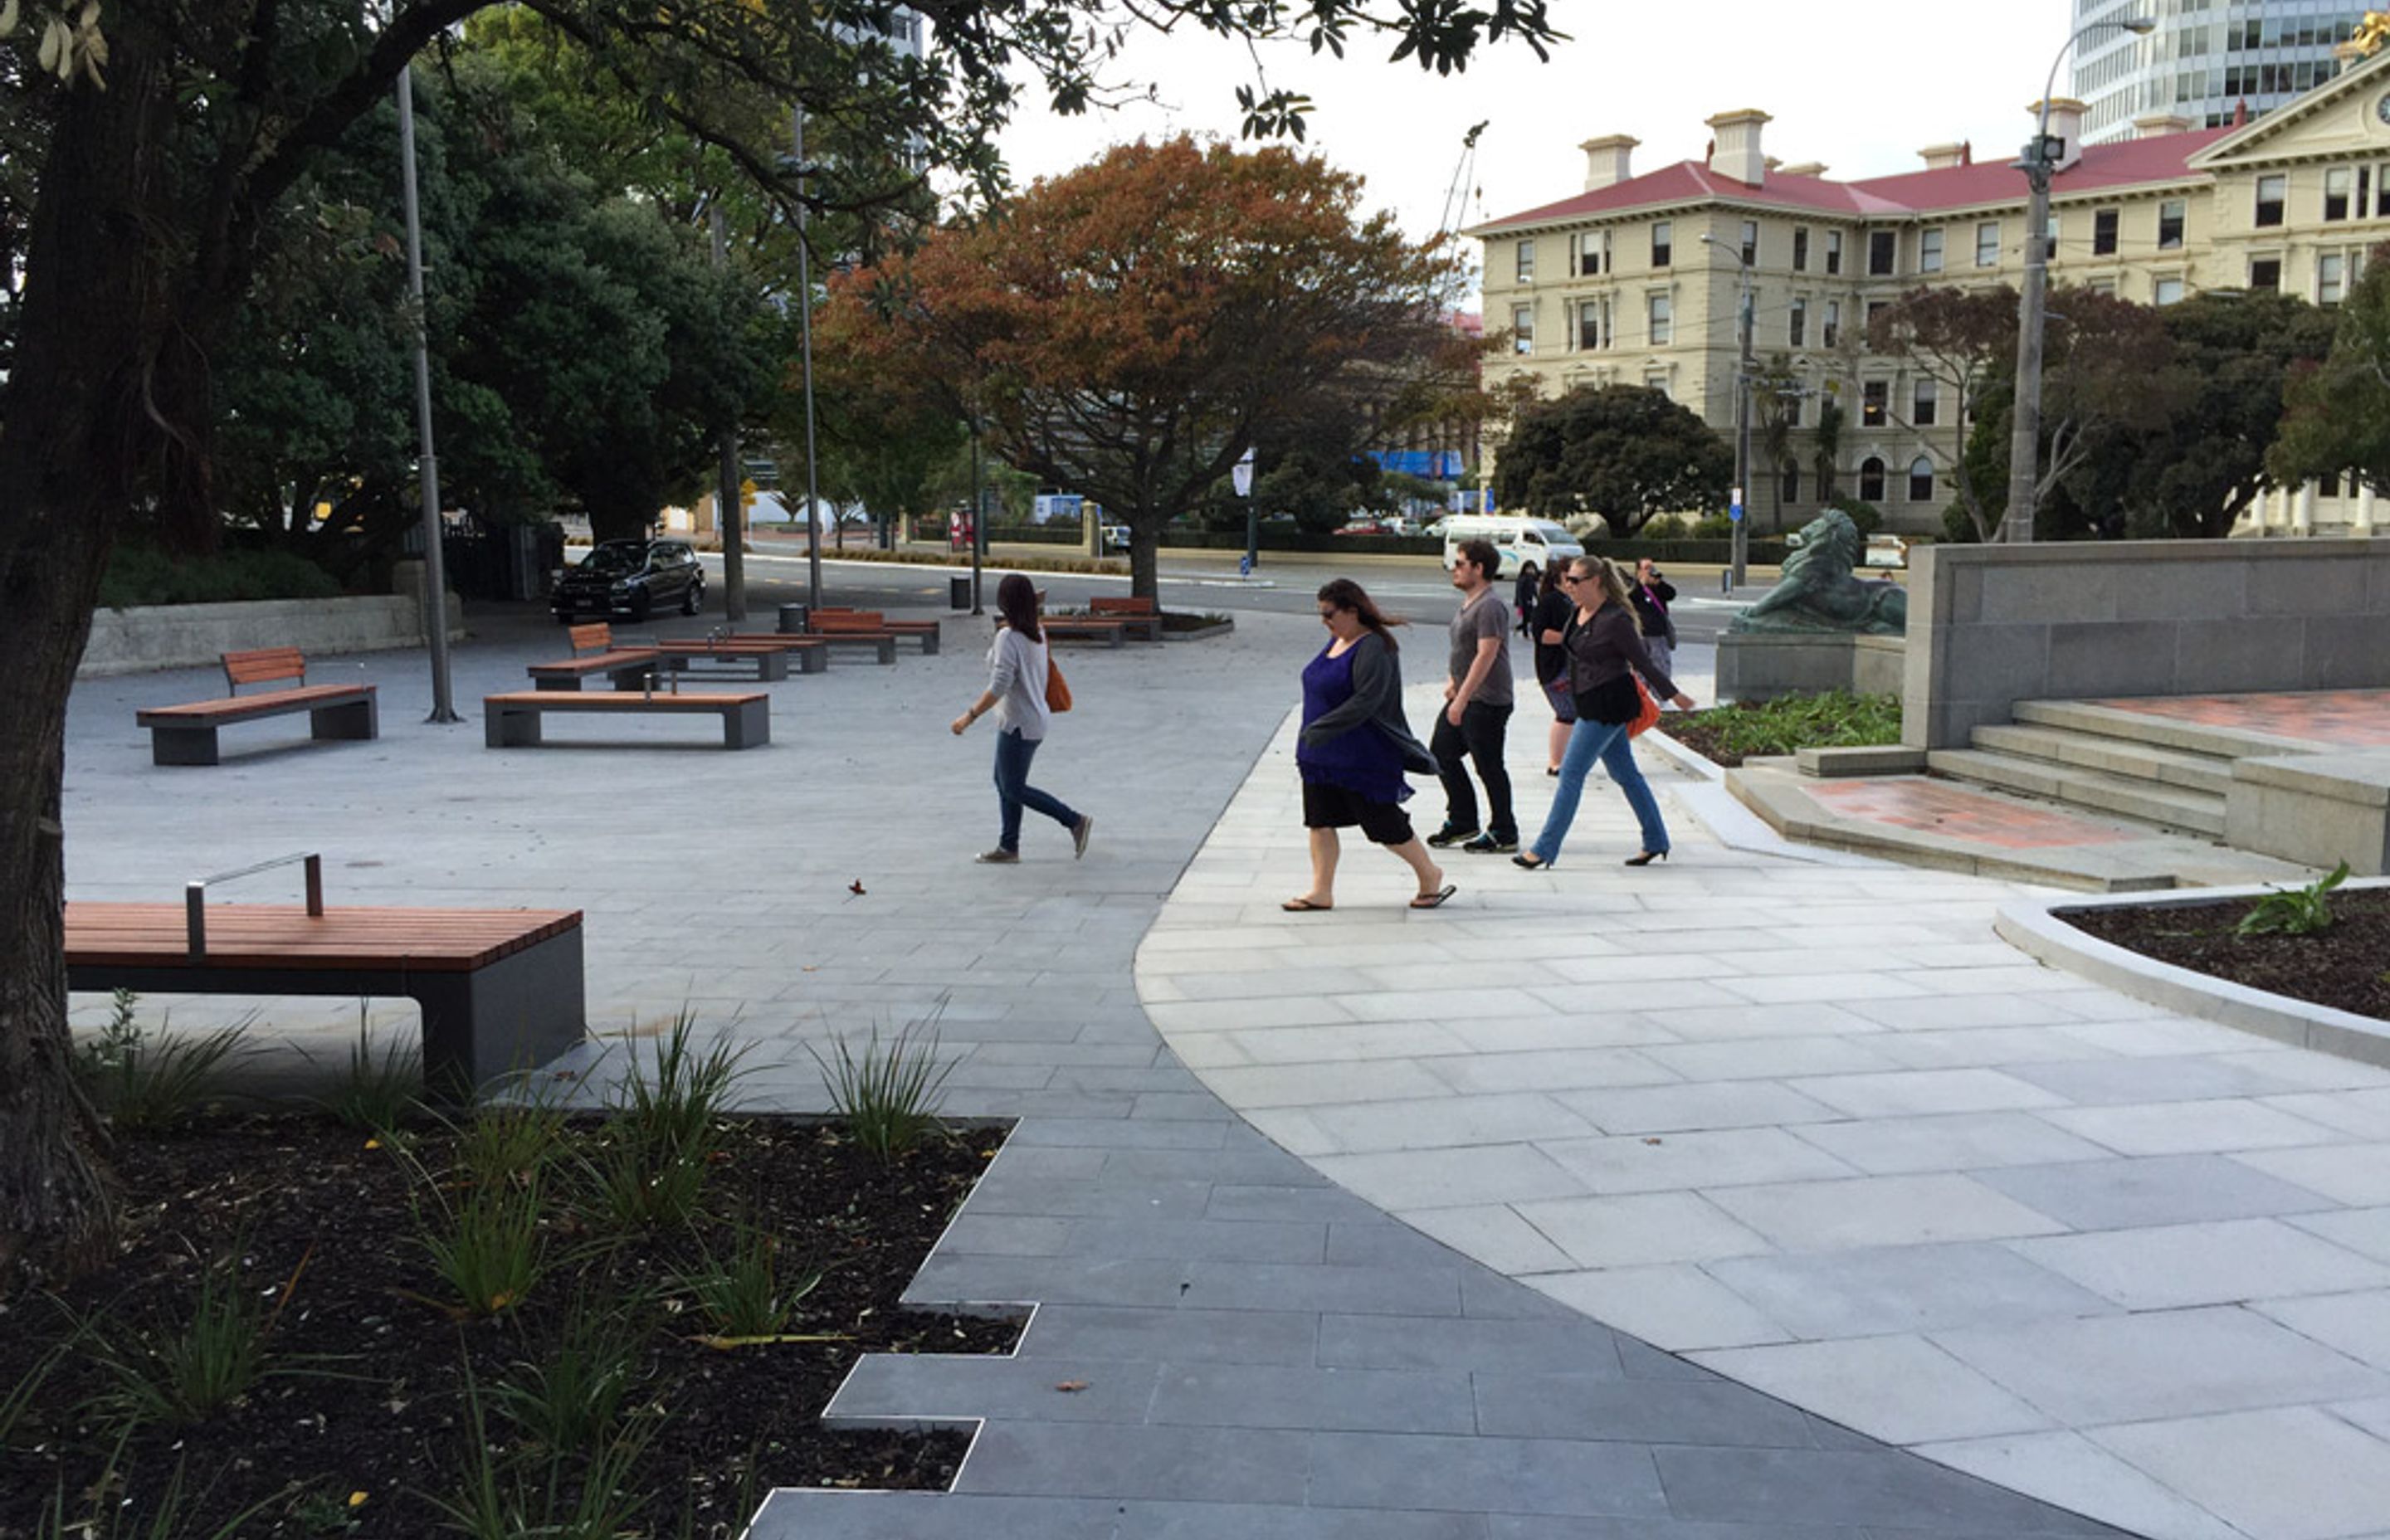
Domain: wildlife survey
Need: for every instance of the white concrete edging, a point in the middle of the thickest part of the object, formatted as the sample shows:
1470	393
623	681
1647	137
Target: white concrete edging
2040	930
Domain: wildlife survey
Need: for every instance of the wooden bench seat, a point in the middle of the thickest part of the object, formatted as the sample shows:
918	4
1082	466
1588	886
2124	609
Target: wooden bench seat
831	617
1141	618
1106	629
512	721
500	989
594	652
759	656
187	733
857	628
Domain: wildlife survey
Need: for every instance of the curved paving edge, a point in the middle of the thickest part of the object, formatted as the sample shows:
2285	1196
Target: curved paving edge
2041	931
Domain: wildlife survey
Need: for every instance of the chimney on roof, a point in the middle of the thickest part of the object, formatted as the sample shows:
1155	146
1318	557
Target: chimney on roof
2240	113
1943	157
1803	168
1966	152
1735	151
1607	160
2155	125
2065	126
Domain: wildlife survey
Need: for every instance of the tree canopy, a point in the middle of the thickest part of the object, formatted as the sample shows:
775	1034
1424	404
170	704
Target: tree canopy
1624	452
2338	416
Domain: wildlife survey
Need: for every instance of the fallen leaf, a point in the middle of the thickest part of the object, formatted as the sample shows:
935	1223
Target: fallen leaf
855	887
1071	1387
1655	1141
356	1499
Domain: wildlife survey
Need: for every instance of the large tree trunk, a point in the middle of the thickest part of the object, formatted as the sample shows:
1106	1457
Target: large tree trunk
80	407
1144	561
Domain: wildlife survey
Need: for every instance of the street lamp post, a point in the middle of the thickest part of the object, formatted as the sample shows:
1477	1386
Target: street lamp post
2037	163
1739	560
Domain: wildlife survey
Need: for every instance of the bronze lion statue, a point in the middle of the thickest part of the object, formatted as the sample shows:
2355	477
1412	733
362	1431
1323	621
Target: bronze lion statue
1817	592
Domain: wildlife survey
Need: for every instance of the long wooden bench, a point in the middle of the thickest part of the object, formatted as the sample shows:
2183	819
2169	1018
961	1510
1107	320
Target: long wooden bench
762	657
512	721
594	652
925	632
1142	617
187	733
1109	630
856	628
500	989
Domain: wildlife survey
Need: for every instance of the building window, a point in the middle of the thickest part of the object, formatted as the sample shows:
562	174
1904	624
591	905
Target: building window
2271	193
1921	479
1870	479
1662	312
1928	251
1663	243
1588	325
1987	243
2335	192
2103	233
1789	491
1796	324
2332	279
1656	379
1831	332
2266	272
1925	405
1883	247
1750	242
1526	262
1523	329
2166	291
1875	397
2170	215
1875	309
1833	252
1587	252
1800	249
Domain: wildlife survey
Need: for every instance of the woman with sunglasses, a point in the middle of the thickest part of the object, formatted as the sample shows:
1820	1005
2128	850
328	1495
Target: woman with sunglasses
1604	648
1354	746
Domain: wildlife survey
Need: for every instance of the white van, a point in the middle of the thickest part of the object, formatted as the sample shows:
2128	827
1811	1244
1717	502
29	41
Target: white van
1520	540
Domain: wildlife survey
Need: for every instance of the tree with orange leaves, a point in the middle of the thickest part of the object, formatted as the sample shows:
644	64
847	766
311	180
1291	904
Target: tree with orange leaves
1123	331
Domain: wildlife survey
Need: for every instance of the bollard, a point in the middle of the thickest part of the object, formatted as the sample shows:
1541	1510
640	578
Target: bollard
958	593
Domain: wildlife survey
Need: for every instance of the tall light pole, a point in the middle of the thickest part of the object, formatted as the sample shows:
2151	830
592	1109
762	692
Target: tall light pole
1738	561
805	329
435	558
2039	164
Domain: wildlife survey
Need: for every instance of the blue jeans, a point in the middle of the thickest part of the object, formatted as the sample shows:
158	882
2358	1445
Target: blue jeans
1608	743
1013	791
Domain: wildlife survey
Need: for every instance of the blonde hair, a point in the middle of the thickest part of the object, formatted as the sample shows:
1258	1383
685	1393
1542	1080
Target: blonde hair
1613	584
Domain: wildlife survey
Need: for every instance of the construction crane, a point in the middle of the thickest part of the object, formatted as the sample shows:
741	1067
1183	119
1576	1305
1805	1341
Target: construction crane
1456	198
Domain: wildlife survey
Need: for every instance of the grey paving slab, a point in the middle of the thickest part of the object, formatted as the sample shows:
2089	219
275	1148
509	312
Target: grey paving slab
2106	1194
1485	1475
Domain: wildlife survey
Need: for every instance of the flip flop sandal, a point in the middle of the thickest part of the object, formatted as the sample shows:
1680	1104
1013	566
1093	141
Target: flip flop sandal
1431	901
1304	906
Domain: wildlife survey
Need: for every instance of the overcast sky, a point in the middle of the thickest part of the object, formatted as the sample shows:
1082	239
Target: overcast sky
1861	84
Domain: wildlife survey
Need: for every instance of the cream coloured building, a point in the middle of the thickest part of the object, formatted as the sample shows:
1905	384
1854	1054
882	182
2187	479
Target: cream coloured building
1634	279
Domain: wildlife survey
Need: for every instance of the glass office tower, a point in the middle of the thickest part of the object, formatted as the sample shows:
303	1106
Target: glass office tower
2207	57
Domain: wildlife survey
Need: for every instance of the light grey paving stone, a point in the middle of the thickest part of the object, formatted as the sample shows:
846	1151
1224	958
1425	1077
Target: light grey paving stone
2188	1127
1923	1093
2293	1472
2096	1481
1487	1297
1492	1234
1520	1526
1386	1401
2358	1325
1902	1288
1770	1059
1446	1122
2357	1174
1877	1210
2365	1114
1679	1306
2097	1082
2222	1261
1901	1389
1965	1141
1436	1179
2170	1189
1171	1335
1484	1475
1741	1022
802	1514
1257	1086
1553	1070
1686	1108
1942	1013
1638	1411
1475	1344
1639	1229
1793	1487
1705	1160
895	1386
1978	1047
1214	1520
1111	1460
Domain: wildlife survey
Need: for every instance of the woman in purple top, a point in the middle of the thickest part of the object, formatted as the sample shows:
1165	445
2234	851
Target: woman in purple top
1354	747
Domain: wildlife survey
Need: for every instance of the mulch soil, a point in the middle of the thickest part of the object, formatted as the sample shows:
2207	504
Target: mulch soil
2343	966
1702	738
366	1420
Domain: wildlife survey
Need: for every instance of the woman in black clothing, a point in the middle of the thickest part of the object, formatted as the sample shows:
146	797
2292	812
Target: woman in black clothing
1651	595
1522	597
1547	620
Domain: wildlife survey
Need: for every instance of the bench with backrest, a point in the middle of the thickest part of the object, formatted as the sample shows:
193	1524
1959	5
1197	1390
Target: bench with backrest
187	733
728	655
1107	629
512	720
877	620
854	628
1141	618
594	652
500	989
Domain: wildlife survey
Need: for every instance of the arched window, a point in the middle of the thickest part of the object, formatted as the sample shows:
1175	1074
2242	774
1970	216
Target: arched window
1921	479
1871	479
1791	489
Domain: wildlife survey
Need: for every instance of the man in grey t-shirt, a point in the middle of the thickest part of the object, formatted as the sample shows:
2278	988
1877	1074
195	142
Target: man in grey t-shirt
1477	709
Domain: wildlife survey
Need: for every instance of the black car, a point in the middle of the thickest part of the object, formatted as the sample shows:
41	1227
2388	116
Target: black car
631	579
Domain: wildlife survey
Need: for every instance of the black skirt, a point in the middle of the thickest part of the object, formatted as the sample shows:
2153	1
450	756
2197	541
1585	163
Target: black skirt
1329	806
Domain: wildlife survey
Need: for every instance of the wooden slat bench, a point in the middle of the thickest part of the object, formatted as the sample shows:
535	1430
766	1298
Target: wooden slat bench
594	652
512	721
1107	629
187	733
762	657
856	628
1142	617
501	989
876	620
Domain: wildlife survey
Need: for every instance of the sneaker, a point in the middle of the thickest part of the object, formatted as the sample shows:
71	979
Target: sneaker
997	857
1079	832
1449	835
1487	844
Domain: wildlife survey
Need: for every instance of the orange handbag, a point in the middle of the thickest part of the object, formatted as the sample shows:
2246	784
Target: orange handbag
1648	717
1057	692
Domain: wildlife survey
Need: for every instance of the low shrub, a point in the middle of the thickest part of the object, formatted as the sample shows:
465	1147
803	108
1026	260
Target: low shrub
2295	911
1837	719
143	1081
142	574
888	1097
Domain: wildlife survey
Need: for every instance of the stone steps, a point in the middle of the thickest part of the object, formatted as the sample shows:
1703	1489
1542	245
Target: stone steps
2180	768
2127	796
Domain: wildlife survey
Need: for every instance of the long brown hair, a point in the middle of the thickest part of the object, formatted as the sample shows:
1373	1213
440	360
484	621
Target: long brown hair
1016	600
1345	594
1605	571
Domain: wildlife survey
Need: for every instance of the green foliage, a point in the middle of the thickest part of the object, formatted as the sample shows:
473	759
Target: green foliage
890	1096
2337	413
145	1082
2293	911
1867	516
489	1245
1623	451
672	1098
557	1493
1836	719
182	1373
570	1398
381	1089
743	1294
107	1517
140	573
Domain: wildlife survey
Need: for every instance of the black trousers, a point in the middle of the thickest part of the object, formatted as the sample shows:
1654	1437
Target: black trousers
1479	741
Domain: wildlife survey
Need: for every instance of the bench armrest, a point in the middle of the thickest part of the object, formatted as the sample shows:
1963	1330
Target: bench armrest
195	894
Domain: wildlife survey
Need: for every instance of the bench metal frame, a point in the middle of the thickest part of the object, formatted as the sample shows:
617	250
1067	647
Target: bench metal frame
746	724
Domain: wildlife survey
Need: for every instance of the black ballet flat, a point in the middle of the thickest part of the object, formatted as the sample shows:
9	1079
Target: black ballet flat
1647	858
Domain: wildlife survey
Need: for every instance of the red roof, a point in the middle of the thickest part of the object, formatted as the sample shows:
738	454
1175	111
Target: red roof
2128	164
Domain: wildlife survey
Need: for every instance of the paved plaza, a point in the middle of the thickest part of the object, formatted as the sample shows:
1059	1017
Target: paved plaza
1765	1193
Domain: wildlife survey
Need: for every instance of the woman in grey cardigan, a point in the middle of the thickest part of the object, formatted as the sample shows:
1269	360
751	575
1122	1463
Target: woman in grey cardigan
1354	747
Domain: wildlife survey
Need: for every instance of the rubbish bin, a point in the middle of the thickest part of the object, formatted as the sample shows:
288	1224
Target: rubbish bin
796	618
959	593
